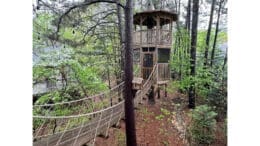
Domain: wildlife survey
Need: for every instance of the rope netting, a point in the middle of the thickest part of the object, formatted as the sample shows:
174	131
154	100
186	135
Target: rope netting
89	104
83	124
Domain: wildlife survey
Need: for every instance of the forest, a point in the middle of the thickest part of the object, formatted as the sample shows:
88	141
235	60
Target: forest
95	81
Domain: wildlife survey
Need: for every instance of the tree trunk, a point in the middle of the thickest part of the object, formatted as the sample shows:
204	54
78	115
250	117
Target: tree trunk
187	21
216	35
187	24
208	33
121	36
128	92
108	72
195	13
179	7
225	61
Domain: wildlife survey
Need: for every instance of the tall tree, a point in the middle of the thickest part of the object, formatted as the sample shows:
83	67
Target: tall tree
195	14
121	37
187	21
208	33
128	92
225	60
216	34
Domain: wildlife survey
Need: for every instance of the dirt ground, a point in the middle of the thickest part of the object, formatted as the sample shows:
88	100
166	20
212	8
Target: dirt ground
160	124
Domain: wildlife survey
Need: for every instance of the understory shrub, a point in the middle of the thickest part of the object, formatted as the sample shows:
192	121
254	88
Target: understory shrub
203	125
218	99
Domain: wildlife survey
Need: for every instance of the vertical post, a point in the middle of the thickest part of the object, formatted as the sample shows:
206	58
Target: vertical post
159	92
128	93
171	30
141	30
141	50
110	118
157	73
165	90
111	101
151	96
158	30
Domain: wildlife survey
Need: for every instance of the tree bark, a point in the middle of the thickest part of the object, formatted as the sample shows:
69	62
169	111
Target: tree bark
195	13
216	35
187	24
208	33
121	36
225	61
108	72
187	21
128	92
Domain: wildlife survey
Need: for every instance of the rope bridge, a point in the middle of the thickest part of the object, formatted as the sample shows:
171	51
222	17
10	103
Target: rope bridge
80	121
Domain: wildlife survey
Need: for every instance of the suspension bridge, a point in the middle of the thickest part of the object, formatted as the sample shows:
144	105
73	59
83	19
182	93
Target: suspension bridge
81	121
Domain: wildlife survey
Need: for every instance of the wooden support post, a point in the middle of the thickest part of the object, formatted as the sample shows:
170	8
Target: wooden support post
159	92
111	101
151	96
165	90
135	98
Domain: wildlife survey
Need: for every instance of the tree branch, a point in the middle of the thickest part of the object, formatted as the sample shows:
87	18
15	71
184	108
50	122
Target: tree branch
87	2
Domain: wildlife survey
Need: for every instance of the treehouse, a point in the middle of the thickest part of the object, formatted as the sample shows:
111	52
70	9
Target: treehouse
152	40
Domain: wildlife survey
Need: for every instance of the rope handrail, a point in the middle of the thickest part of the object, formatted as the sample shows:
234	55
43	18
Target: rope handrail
71	129
77	116
150	76
78	100
118	107
88	114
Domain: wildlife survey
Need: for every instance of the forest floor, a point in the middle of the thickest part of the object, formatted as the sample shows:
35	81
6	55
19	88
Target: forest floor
160	124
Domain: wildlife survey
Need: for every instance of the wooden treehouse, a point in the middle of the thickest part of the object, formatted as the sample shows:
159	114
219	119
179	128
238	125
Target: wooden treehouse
152	38
152	47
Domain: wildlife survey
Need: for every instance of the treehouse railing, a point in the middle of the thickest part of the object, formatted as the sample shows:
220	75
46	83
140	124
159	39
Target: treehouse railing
146	71
81	127
163	71
165	37
150	37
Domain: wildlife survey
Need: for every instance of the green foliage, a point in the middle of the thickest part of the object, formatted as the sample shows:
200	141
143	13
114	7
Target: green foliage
87	78
61	111
218	99
121	138
72	92
165	111
210	85
180	60
41	74
52	97
44	99
137	70
165	143
37	123
159	117
75	122
203	125
184	84
203	80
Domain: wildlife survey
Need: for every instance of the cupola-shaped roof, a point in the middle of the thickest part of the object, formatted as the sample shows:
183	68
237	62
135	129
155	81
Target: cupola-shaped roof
150	12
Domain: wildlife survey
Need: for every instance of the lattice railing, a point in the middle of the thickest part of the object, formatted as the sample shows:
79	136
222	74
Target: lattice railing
151	37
